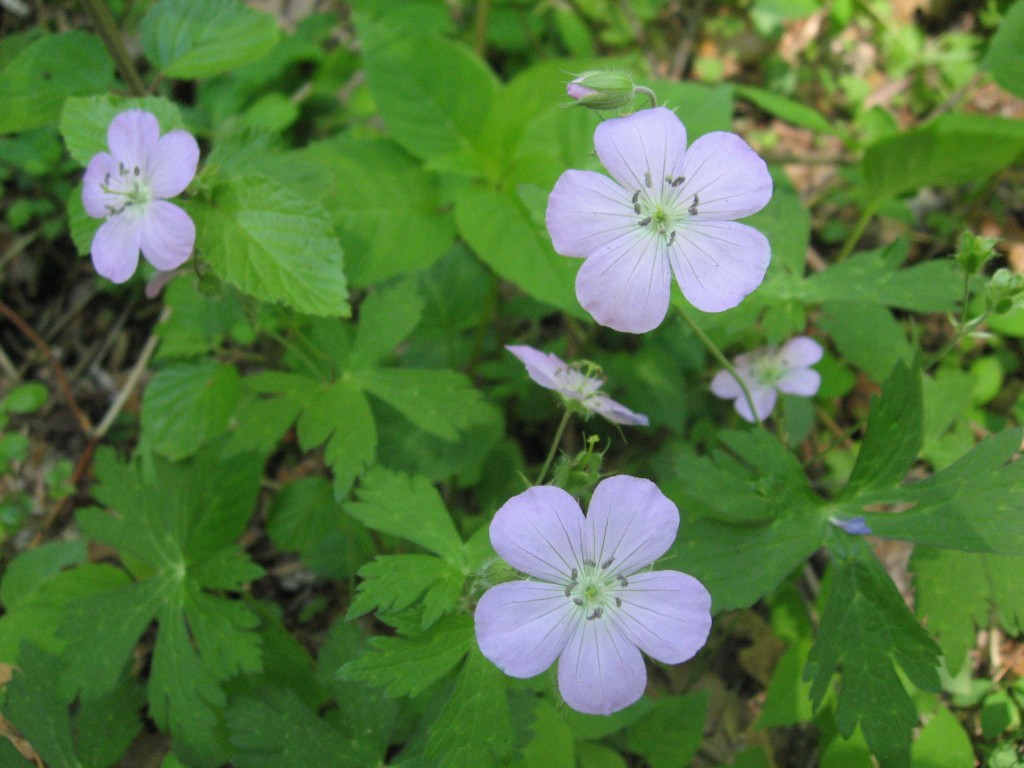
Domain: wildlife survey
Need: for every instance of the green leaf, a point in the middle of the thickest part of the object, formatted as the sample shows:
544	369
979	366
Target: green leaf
866	630
894	433
410	508
443	403
1005	55
37	80
388	211
386	317
867	335
35	707
474	730
433	94
190	40
505	238
188	404
272	244
84	120
392	583
107	726
941	743
299	738
24	398
953	149
552	744
956	593
33	567
670	735
406	666
791	111
972	506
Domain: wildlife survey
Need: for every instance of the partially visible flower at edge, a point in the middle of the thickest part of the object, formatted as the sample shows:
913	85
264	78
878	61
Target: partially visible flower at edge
667	209
589	602
768	371
574	385
129	187
855	526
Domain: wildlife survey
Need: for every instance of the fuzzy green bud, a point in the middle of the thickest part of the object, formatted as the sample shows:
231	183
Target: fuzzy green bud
974	251
602	90
580	473
1004	292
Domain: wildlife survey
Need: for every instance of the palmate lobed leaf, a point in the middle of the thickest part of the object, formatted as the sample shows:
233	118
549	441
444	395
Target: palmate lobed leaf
395	582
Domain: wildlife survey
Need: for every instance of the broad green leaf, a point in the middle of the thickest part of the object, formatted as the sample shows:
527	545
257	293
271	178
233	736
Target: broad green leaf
867	335
788	700
299	738
503	236
33	567
474	730
37	80
187	404
441	402
942	742
386	316
956	593
36	708
552	744
787	225
972	506
433	94
866	631
1005	55
786	109
953	149
388	211
392	583
406	666
85	119
107	726
894	433
272	244
410	508
190	40
670	735
24	398
199	323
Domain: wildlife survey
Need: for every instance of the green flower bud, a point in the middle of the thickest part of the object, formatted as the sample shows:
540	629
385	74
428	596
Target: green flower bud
974	251
1004	292
602	90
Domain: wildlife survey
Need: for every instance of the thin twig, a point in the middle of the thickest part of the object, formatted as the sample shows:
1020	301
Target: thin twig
62	381
108	31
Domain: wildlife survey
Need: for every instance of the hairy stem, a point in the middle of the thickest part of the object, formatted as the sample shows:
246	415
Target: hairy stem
554	446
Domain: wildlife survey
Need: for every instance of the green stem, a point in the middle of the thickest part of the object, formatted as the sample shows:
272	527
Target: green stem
858	230
724	362
646	92
107	28
554	446
961	329
483	11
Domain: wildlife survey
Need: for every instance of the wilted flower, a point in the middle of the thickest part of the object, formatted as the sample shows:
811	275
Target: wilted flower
575	385
668	210
128	187
588	602
768	371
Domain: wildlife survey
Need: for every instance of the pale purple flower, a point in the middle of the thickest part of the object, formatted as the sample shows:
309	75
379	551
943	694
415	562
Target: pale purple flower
855	526
589	601
129	187
574	384
666	210
768	371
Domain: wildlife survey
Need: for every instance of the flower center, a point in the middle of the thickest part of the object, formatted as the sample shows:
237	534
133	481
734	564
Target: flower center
582	381
767	370
128	184
593	588
662	212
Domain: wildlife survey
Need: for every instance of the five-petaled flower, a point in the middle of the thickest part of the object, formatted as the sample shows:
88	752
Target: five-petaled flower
575	385
129	187
590	603
768	371
669	210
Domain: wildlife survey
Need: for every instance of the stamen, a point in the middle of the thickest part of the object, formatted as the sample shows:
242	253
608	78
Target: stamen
693	208
121	169
618	602
623	581
636	208
577	600
590	563
569	588
136	170
645	221
647	179
671	237
574	575
636	196
607	562
106	181
598	612
676	181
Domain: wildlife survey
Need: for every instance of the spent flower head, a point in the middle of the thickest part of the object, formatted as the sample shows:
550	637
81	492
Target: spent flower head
589	601
129	186
578	384
667	209
768	371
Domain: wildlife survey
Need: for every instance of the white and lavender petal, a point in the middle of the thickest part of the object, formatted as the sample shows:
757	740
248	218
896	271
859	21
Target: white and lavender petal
600	671
667	614
540	532
630	524
626	286
115	247
523	626
540	366
729	178
800	352
586	211
617	413
718	263
804	382
725	386
764	398
132	138
167	235
643	149
98	202
173	163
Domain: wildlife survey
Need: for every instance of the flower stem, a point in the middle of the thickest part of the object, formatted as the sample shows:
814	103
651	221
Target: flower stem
107	28
646	92
724	362
554	446
858	230
961	329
